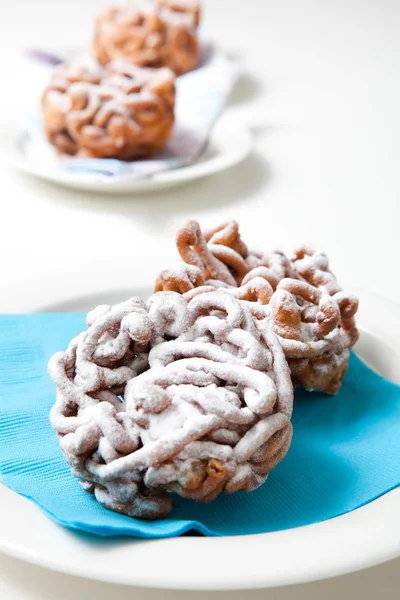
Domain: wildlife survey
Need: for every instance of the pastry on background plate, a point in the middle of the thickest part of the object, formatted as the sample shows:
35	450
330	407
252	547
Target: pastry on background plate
121	111
313	317
149	33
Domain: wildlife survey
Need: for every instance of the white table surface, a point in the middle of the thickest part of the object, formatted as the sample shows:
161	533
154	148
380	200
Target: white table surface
321	93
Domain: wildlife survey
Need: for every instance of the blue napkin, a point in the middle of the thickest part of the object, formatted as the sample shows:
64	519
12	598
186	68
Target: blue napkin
345	450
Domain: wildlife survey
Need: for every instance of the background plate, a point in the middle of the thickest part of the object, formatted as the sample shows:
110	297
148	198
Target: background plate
230	142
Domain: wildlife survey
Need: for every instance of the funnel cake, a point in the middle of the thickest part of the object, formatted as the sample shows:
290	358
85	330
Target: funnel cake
149	33
122	111
192	397
313	318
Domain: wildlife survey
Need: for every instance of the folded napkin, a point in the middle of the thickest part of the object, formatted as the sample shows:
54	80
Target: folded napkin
345	449
200	98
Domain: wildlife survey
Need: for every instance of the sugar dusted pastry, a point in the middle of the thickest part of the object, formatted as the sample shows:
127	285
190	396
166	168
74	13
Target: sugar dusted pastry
207	401
149	33
121	111
313	317
315	321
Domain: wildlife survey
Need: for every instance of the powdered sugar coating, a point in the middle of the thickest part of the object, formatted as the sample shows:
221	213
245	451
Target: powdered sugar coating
221	255
313	318
179	279
207	401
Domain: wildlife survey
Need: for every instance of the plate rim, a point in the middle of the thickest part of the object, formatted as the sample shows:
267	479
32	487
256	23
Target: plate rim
305	566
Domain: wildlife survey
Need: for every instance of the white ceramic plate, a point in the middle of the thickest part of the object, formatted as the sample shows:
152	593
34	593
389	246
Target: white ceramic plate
362	538
230	142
